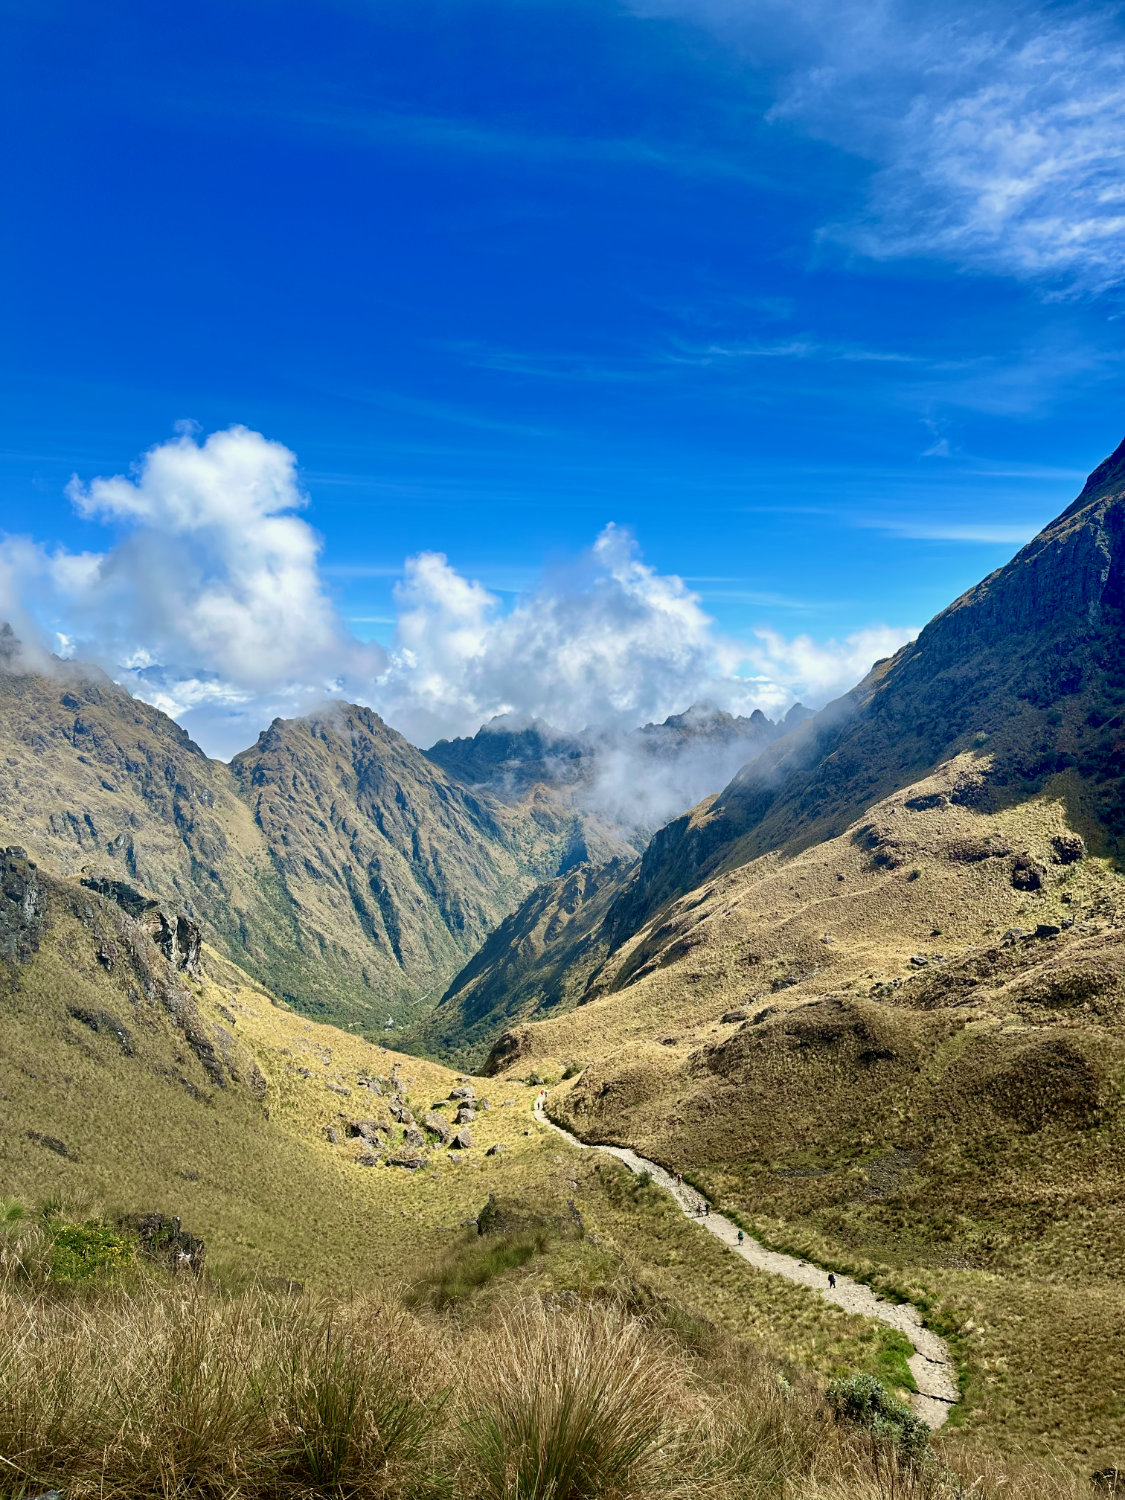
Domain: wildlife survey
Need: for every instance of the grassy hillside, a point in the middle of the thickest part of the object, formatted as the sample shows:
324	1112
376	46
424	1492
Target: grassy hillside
131	1085
852	1048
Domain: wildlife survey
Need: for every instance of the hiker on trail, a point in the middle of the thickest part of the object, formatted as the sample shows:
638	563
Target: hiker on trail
831	1278
740	1236
680	1178
707	1210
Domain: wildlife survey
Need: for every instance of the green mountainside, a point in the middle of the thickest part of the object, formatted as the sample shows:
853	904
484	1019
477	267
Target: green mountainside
333	859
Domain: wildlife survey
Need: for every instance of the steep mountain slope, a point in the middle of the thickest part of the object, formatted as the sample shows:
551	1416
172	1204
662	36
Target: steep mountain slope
1029	662
332	859
874	993
535	963
394	872
151	1079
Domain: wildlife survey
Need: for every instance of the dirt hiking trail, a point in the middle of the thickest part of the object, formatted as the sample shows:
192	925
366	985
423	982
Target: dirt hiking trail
931	1363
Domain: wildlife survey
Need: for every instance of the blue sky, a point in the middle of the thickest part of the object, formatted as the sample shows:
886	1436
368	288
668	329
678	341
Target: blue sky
820	304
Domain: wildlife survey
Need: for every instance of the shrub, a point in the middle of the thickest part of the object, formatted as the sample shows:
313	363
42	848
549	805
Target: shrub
574	1408
864	1401
80	1252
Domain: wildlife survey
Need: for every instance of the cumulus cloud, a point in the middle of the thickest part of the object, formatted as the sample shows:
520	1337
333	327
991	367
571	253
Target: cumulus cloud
211	604
995	132
611	643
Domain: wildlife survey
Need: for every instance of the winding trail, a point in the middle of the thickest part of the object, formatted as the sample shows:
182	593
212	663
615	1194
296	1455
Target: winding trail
931	1363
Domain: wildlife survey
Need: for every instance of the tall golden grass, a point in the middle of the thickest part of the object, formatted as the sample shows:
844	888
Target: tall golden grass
166	1389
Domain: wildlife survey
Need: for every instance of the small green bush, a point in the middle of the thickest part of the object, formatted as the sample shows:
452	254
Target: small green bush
81	1252
864	1401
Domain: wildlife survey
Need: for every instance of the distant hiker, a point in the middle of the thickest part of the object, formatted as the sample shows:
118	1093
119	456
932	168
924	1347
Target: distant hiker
680	1178
707	1210
740	1236
832	1278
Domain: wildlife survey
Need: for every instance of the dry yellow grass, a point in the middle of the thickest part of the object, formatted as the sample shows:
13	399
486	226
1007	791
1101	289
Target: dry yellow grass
951	1129
171	1390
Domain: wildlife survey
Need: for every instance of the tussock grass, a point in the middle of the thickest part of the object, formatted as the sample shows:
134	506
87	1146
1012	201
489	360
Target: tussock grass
173	1388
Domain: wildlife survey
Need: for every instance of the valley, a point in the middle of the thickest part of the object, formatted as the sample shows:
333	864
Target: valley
867	998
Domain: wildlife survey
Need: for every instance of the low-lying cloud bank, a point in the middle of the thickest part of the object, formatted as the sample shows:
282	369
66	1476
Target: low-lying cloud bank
211	604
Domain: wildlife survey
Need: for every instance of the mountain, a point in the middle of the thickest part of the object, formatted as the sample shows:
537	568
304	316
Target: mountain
333	859
347	870
622	784
872	995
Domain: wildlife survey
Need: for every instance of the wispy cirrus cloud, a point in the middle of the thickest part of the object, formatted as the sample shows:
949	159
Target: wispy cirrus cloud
996	133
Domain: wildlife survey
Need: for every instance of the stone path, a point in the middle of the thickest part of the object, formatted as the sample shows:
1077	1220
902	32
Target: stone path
931	1363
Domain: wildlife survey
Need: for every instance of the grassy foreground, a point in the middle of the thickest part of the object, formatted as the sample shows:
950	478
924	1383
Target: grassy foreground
133	1385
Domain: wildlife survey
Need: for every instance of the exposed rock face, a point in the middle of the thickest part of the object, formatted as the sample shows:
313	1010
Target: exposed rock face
164	1239
23	905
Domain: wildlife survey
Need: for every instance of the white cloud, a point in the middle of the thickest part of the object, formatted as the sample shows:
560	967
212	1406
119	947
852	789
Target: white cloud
611	643
997	132
211	604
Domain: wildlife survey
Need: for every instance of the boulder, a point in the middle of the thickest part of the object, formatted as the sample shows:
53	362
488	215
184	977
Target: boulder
371	1131
1047	930
407	1159
414	1137
730	1016
465	1115
464	1091
400	1112
463	1140
438	1126
1069	848
163	1238
332	1135
499	1149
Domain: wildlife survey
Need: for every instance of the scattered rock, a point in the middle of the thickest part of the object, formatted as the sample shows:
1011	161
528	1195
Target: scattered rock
333	1135
465	1115
919	961
762	1015
162	1237
1026	874
483	1104
499	1149
52	1143
1069	848
730	1016
371	1131
414	1137
1109	1481
337	1088
399	1112
463	1140
408	1160
1013	935
372	1085
438	1126
668	1041
1047	930
465	1091
369	1158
